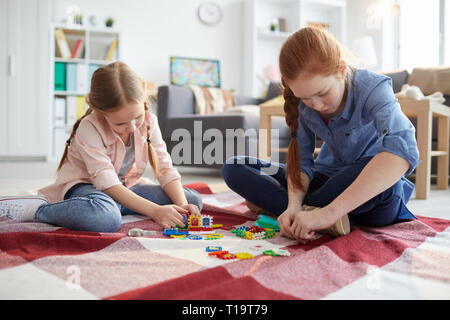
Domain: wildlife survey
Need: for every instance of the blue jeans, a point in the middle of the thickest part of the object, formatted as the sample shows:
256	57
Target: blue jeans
86	209
246	176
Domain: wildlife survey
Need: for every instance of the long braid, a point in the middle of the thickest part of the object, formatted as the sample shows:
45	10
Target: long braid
152	157
72	135
293	169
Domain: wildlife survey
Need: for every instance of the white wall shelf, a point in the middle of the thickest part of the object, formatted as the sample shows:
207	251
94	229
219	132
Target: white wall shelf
262	45
68	102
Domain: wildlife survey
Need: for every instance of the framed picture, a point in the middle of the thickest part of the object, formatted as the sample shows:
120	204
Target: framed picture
195	71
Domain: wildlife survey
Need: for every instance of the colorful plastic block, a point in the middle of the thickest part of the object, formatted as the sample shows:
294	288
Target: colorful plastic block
270	253
243	255
266	222
213	249
215	253
276	252
281	252
174	231
181	236
214	236
194	237
226	256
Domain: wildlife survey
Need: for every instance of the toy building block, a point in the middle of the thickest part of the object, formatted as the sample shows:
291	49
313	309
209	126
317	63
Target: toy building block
243	255
213	248
266	222
226	256
214	236
215	253
194	237
195	222
174	231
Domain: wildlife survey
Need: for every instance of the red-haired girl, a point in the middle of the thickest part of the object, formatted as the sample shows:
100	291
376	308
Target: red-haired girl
368	146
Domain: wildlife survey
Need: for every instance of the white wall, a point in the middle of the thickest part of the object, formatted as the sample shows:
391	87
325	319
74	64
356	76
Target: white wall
153	30
383	35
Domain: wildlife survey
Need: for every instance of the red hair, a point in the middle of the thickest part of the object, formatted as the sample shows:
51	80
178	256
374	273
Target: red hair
311	50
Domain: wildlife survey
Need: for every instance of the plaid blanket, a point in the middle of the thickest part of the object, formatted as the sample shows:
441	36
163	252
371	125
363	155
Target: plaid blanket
409	260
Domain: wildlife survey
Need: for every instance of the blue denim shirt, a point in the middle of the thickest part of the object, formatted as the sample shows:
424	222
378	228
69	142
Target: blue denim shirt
371	122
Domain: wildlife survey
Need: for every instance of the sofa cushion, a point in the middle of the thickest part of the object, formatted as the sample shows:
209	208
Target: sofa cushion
430	80
399	78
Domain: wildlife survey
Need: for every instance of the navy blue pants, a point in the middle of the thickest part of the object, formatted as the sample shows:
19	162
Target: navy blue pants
246	176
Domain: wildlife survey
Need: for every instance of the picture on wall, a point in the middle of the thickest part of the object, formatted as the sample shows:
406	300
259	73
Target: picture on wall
195	71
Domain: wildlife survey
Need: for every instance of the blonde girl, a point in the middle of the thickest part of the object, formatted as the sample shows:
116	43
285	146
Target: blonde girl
368	146
100	174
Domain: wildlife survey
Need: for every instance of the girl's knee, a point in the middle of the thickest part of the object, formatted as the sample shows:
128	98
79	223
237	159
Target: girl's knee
108	217
193	197
231	166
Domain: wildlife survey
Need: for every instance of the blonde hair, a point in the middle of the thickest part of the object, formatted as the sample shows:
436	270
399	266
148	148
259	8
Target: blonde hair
311	50
112	86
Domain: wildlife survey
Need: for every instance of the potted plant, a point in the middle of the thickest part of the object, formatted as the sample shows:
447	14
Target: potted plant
109	22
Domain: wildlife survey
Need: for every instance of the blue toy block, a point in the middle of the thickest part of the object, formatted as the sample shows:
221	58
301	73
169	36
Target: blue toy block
168	232
213	248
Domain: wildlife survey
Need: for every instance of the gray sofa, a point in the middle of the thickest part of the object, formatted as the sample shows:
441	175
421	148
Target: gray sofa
176	110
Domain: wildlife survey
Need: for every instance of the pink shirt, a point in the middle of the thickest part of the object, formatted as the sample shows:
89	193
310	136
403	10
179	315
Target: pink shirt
97	152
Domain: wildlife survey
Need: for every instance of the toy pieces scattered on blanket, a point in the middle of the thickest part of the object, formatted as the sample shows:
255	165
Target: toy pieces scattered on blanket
214	236
213	248
174	231
253	233
194	237
266	222
216	253
136	232
181	236
244	255
276	252
198	223
226	255
203	221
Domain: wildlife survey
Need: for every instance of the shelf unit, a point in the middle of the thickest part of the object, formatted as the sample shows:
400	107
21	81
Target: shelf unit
77	75
262	46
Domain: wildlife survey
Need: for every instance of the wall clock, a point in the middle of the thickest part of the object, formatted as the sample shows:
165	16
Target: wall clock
210	13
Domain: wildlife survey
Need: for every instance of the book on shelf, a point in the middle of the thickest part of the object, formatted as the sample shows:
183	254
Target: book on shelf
110	50
71	77
78	50
60	76
59	111
81	106
62	44
82	78
71	110
91	70
76	107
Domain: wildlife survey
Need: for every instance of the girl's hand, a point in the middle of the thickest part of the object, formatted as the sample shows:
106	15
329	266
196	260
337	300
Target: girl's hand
169	216
285	221
192	208
305	223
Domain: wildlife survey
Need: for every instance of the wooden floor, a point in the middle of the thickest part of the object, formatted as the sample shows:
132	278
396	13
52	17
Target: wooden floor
20	178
